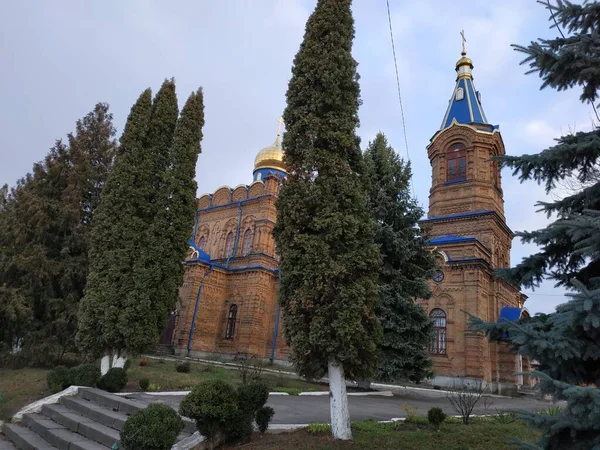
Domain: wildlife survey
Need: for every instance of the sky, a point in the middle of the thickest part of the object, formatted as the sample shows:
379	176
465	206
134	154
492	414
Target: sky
58	59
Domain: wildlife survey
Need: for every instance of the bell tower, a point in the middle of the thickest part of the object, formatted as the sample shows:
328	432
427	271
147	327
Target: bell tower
467	229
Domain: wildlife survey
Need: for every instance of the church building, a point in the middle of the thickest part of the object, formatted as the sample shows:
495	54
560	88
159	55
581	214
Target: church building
228	301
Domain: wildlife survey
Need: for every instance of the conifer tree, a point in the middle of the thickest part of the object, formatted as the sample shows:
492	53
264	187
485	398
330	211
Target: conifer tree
115	240
45	238
324	232
564	345
406	266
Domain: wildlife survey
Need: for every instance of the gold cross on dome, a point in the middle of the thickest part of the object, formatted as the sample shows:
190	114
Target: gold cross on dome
280	126
464	40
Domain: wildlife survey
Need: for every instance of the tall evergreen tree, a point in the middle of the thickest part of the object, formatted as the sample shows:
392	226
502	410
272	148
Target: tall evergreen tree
115	240
324	232
406	266
142	226
564	345
46	237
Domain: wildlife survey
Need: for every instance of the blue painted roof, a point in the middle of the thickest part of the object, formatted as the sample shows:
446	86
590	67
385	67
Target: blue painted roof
510	314
450	239
468	109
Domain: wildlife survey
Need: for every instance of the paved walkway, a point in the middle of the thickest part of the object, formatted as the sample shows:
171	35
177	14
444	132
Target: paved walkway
291	409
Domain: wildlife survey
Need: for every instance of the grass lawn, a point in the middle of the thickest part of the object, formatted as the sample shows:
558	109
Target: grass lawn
370	435
164	377
19	388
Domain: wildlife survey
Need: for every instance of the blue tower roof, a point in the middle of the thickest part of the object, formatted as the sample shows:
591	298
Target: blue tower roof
465	104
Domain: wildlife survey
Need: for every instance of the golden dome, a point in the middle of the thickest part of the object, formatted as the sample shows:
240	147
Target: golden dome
271	157
464	61
464	66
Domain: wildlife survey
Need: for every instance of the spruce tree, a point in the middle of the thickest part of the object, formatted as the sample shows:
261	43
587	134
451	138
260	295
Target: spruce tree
564	345
406	266
324	232
46	237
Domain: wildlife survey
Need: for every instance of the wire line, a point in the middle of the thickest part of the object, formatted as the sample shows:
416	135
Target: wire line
399	92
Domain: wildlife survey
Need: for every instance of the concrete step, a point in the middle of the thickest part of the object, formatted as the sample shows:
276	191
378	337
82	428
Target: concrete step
83	425
61	437
93	411
5	444
24	438
111	401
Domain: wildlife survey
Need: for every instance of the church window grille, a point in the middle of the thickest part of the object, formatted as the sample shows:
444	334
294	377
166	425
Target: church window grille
437	346
201	243
457	163
229	245
247	242
231	318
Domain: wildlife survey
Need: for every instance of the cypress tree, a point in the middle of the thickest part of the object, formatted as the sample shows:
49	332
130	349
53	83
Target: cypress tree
143	310
564	345
406	266
115	240
324	231
46	236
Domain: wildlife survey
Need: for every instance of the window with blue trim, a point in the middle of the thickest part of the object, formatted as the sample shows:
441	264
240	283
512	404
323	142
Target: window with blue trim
456	160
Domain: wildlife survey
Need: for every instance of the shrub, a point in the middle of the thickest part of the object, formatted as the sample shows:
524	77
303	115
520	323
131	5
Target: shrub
252	397
58	379
436	416
144	384
319	428
127	364
263	417
143	362
183	367
114	380
85	375
213	405
153	428
411	412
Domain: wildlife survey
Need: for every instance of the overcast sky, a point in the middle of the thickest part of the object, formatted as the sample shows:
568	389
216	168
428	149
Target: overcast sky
57	59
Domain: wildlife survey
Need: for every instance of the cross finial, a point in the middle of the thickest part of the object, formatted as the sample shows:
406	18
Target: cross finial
280	126
464	40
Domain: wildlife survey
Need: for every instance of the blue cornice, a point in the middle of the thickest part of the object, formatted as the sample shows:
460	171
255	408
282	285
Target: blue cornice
232	269
242	202
459	216
451	239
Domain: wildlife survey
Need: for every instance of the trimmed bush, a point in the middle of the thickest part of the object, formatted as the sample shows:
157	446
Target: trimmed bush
252	397
58	379
183	367
85	375
114	380
436	416
263	417
153	428
144	384
213	405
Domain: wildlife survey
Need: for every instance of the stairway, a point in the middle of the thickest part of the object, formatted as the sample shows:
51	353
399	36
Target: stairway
90	420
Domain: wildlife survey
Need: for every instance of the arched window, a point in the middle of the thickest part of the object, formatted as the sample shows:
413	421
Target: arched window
230	329
247	241
438	341
456	160
229	245
201	243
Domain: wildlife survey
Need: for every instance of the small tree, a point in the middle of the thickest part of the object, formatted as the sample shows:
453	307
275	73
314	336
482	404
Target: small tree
435	416
463	398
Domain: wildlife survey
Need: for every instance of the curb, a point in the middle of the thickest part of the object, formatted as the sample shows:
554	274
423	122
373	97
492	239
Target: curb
36	407
308	393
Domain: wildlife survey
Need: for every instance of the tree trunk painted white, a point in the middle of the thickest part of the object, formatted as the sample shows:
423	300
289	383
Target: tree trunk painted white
119	359
338	402
105	363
